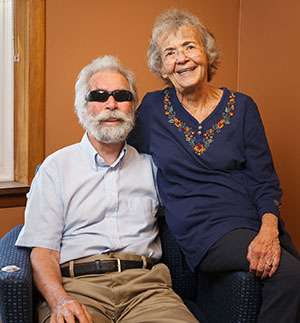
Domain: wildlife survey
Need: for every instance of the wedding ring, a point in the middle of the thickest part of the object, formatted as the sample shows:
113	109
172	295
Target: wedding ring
270	265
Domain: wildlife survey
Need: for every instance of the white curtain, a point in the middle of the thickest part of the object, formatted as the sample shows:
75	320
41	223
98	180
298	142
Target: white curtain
6	89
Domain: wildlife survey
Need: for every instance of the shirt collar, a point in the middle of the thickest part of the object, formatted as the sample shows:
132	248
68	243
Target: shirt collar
94	159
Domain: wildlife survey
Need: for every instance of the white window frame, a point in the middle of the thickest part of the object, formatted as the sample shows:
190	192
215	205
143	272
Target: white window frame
6	91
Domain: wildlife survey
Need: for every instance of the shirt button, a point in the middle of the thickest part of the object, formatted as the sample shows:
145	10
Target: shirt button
199	132
200	127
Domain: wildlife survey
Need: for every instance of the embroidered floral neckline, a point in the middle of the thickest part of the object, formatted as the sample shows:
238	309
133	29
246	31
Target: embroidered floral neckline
207	137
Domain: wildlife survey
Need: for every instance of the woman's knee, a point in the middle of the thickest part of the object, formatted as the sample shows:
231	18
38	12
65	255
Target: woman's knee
289	271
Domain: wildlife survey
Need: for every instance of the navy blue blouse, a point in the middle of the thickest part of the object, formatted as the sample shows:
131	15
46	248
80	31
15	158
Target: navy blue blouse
214	176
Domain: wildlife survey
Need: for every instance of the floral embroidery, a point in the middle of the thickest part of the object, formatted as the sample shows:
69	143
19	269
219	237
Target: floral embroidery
207	136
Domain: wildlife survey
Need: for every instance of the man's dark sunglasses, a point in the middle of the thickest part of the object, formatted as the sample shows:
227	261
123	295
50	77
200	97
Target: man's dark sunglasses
102	95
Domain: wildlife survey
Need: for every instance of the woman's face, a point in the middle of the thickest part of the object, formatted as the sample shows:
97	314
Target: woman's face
184	60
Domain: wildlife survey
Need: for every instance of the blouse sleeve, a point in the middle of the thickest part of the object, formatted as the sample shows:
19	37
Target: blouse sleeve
140	135
261	177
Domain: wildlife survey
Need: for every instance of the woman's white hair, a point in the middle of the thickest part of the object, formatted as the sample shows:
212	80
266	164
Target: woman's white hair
106	62
170	21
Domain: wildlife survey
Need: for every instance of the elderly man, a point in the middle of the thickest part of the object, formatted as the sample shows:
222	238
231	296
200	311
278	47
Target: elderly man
91	216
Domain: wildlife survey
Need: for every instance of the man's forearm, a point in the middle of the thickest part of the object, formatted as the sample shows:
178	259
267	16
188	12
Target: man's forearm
47	276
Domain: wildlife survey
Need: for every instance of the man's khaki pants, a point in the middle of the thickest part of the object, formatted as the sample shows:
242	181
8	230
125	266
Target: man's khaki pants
131	296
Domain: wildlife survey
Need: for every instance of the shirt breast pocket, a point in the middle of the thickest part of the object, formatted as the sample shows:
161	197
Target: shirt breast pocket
142	212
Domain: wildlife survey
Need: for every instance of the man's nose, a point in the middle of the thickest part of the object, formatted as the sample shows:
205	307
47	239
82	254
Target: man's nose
111	103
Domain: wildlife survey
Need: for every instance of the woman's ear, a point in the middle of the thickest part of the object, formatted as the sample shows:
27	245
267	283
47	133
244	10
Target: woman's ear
163	73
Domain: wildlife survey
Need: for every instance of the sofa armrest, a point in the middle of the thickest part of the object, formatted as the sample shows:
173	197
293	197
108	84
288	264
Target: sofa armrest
16	286
229	297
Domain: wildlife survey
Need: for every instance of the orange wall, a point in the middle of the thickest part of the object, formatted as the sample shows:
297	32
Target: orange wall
269	71
78	33
9	219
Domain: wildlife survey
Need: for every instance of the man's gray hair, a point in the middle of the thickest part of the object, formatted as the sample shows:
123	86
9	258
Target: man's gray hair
170	21
106	62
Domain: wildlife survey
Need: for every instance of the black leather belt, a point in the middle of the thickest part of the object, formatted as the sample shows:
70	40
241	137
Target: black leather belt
102	267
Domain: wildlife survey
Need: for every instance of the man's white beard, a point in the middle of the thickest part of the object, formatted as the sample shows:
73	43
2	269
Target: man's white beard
113	133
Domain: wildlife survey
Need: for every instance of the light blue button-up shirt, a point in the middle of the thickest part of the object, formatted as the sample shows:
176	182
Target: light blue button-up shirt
81	206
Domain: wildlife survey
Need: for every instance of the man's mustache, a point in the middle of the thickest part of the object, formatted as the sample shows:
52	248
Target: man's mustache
107	115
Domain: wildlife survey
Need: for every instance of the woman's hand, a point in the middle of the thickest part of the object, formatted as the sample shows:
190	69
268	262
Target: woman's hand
264	251
68	310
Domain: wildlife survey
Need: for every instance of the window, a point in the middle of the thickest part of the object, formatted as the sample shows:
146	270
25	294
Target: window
29	94
6	90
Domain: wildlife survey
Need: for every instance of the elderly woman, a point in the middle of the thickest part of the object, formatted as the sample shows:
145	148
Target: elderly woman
215	172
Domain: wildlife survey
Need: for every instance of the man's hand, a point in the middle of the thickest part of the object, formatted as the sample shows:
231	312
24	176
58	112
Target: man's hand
48	279
264	251
69	309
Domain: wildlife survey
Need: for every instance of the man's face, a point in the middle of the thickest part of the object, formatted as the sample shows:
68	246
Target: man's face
109	121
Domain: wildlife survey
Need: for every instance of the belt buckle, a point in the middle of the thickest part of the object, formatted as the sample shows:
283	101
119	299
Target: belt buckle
119	265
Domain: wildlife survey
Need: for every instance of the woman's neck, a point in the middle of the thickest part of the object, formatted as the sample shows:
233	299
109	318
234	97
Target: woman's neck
201	101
